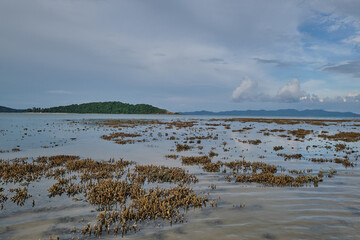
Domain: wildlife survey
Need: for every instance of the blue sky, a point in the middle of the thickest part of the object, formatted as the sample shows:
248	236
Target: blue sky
181	55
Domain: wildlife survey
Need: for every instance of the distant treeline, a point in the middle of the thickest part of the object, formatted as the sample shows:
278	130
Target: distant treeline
103	107
6	109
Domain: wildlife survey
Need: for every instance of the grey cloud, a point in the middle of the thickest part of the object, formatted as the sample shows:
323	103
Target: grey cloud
277	63
159	54
347	8
106	49
213	60
350	67
59	92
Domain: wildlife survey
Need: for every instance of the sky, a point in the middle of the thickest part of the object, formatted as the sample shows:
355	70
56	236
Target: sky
181	55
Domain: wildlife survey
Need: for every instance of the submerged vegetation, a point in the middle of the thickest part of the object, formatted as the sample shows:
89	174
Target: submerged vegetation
118	191
343	136
126	195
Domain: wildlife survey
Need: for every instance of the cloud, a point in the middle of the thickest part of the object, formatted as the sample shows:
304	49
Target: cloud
354	40
59	92
106	49
277	63
349	98
280	63
248	90
213	60
353	97
291	92
349	67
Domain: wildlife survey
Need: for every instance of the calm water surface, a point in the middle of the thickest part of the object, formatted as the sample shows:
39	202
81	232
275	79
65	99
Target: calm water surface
329	211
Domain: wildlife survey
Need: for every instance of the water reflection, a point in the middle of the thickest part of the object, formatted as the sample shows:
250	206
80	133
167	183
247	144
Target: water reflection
330	210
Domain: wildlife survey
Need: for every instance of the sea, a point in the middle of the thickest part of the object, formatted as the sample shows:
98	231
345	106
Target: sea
330	210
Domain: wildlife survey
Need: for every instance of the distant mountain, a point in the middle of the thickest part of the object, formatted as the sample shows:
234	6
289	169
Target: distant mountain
6	109
126	108
103	107
277	113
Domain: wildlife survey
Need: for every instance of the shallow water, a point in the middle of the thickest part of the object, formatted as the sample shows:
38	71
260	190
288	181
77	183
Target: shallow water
329	211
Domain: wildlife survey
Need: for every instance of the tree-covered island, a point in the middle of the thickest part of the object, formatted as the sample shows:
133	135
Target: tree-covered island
103	107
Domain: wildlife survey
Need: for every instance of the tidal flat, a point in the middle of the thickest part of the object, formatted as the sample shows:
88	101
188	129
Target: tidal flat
93	176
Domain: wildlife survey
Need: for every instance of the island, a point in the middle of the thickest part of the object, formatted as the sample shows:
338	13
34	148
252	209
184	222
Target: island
10	110
103	107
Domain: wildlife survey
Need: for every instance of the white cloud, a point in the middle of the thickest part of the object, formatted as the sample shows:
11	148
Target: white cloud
349	98
352	94
246	90
353	97
291	92
354	40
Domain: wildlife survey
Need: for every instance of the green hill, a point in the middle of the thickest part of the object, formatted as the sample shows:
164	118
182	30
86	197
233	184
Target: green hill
6	109
103	107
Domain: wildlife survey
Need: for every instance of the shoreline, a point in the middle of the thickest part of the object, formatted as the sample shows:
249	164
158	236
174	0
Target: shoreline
214	117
